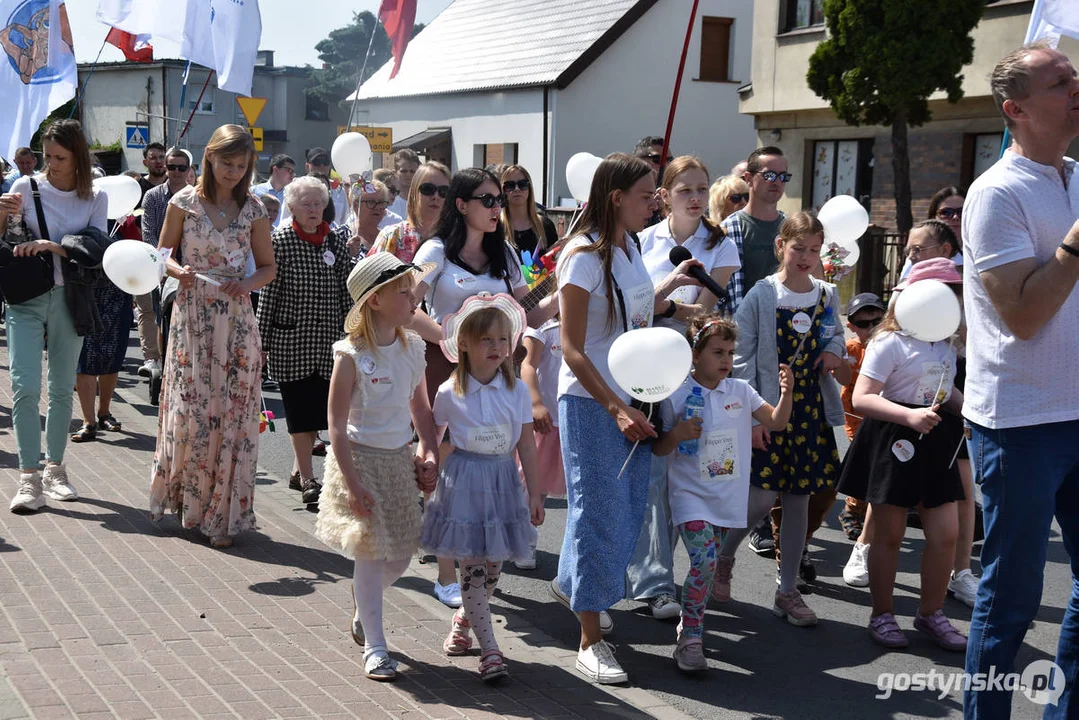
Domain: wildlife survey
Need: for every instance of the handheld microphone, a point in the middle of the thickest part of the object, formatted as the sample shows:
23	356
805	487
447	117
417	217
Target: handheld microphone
679	254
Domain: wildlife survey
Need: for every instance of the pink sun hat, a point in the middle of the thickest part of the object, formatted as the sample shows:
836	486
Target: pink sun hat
938	268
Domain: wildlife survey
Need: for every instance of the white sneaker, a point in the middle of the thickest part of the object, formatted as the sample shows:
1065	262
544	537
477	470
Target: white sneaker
29	497
528	563
964	586
148	368
665	607
448	595
606	622
56	485
597	663
856	571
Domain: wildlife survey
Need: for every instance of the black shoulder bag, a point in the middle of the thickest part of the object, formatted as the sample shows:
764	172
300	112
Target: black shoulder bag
25	278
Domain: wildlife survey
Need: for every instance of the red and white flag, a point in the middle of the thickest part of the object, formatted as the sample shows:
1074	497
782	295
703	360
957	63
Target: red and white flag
135	48
398	17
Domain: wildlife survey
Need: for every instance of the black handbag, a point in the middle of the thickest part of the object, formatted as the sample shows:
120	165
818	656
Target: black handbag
25	278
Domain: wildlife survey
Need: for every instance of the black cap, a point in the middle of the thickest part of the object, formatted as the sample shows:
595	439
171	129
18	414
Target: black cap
318	156
863	301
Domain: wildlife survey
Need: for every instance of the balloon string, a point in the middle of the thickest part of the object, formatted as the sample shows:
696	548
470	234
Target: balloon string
940	385
634	448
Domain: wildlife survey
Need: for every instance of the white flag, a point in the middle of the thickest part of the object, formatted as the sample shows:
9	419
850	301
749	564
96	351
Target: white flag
224	35
1052	18
38	73
154	18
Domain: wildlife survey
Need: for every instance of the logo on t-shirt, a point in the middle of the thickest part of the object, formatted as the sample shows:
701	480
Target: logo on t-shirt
386	380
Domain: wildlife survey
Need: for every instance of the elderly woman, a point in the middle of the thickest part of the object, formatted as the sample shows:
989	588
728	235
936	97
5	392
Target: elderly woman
728	195
369	200
300	316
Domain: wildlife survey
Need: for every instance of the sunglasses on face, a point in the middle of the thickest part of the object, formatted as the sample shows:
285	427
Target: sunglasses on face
772	175
950	213
511	185
866	324
489	201
375	204
429	189
177	168
739	197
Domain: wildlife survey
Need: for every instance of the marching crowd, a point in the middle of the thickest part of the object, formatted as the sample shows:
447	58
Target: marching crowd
408	316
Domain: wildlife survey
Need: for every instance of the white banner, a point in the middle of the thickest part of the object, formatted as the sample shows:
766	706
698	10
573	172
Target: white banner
224	35
155	18
1052	18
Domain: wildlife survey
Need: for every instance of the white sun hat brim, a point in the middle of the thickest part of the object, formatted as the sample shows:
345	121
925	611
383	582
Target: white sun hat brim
451	324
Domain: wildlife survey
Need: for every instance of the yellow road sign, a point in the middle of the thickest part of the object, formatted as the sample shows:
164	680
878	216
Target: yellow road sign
256	133
380	138
251	108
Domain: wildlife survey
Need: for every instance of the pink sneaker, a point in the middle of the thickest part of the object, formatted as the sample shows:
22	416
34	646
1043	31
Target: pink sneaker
941	631
793	607
885	631
721	584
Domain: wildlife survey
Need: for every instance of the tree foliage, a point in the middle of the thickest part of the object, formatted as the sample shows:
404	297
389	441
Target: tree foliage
342	55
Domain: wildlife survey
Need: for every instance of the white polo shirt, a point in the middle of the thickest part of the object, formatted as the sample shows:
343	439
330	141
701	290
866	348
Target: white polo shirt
488	418
1015	210
713	485
550	336
913	371
449	285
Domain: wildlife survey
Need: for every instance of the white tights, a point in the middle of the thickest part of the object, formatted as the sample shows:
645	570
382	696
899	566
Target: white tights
369	579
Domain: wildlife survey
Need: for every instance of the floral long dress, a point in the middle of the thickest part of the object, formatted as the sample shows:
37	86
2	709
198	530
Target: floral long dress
207	437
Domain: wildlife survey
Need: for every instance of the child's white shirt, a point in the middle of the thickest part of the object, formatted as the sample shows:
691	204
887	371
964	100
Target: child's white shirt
488	418
550	336
713	485
910	369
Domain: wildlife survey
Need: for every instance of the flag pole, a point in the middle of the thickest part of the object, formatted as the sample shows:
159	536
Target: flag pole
89	75
678	84
183	91
363	69
192	115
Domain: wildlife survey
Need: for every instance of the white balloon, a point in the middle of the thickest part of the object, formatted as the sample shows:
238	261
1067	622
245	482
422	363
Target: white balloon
351	154
133	266
580	170
928	310
123	193
844	219
650	363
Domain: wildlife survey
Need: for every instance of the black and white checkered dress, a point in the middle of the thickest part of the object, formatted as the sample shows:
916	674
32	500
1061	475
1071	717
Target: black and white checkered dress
301	314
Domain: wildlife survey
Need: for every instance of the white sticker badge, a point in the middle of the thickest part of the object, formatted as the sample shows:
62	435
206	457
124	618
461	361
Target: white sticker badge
328	258
489	439
801	322
236	258
367	365
903	450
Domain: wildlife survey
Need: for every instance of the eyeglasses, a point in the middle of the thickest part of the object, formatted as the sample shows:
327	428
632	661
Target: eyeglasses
375	204
177	168
950	213
657	158
429	189
489	200
916	250
511	185
772	175
866	324
739	197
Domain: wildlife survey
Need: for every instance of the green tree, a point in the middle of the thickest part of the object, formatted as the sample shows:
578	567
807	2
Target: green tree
882	60
342	55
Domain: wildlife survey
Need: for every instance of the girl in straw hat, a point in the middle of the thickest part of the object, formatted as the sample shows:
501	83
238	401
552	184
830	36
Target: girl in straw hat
368	509
479	513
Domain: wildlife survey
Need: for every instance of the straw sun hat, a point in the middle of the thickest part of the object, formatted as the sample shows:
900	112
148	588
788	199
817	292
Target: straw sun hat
451	324
370	274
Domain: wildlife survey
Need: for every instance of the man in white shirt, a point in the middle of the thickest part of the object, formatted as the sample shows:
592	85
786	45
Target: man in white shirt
282	171
405	163
1021	245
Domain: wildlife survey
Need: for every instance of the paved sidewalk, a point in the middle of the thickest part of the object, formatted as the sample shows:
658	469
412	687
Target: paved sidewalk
106	614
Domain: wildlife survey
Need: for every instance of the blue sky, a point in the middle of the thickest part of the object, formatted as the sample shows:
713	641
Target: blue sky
290	34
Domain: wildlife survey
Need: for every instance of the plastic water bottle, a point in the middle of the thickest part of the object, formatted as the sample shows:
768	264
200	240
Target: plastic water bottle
827	325
694	409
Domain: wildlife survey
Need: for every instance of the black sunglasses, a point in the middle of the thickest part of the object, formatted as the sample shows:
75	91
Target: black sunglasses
511	185
772	175
429	189
866	324
177	168
489	200
740	197
950	213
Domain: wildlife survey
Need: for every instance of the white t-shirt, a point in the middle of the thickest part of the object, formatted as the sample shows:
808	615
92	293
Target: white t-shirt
550	336
584	270
385	382
399	206
488	418
1015	210
450	284
390	218
65	212
911	370
788	299
713	485
656	244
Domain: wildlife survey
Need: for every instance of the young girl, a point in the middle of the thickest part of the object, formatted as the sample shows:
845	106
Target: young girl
540	374
902	457
790	317
368	510
479	513
709	489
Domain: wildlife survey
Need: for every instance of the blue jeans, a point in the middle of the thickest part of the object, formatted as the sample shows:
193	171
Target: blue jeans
1028	475
27	324
651	570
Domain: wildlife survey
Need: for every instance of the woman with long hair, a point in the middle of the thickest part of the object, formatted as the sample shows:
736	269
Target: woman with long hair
69	204
207	437
604	291
426	197
526	229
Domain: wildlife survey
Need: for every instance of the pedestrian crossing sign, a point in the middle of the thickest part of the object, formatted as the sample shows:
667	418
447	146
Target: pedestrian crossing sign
137	136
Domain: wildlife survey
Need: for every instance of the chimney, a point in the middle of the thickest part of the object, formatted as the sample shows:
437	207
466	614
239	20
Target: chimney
264	59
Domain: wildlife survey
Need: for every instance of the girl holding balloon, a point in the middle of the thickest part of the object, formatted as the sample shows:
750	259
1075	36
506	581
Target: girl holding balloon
903	455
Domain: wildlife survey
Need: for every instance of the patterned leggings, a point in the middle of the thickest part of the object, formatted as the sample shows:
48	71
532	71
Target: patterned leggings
701	539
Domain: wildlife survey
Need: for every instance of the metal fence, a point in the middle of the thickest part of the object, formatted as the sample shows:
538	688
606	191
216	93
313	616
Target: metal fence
881	261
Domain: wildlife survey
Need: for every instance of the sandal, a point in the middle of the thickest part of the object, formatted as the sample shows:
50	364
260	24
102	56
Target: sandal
87	432
459	641
221	542
492	666
108	422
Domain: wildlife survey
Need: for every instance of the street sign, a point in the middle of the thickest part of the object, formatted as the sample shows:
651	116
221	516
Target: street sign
251	108
138	136
380	138
256	132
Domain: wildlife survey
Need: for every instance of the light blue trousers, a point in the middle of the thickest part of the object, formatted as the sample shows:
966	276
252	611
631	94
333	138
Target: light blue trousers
651	570
27	324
